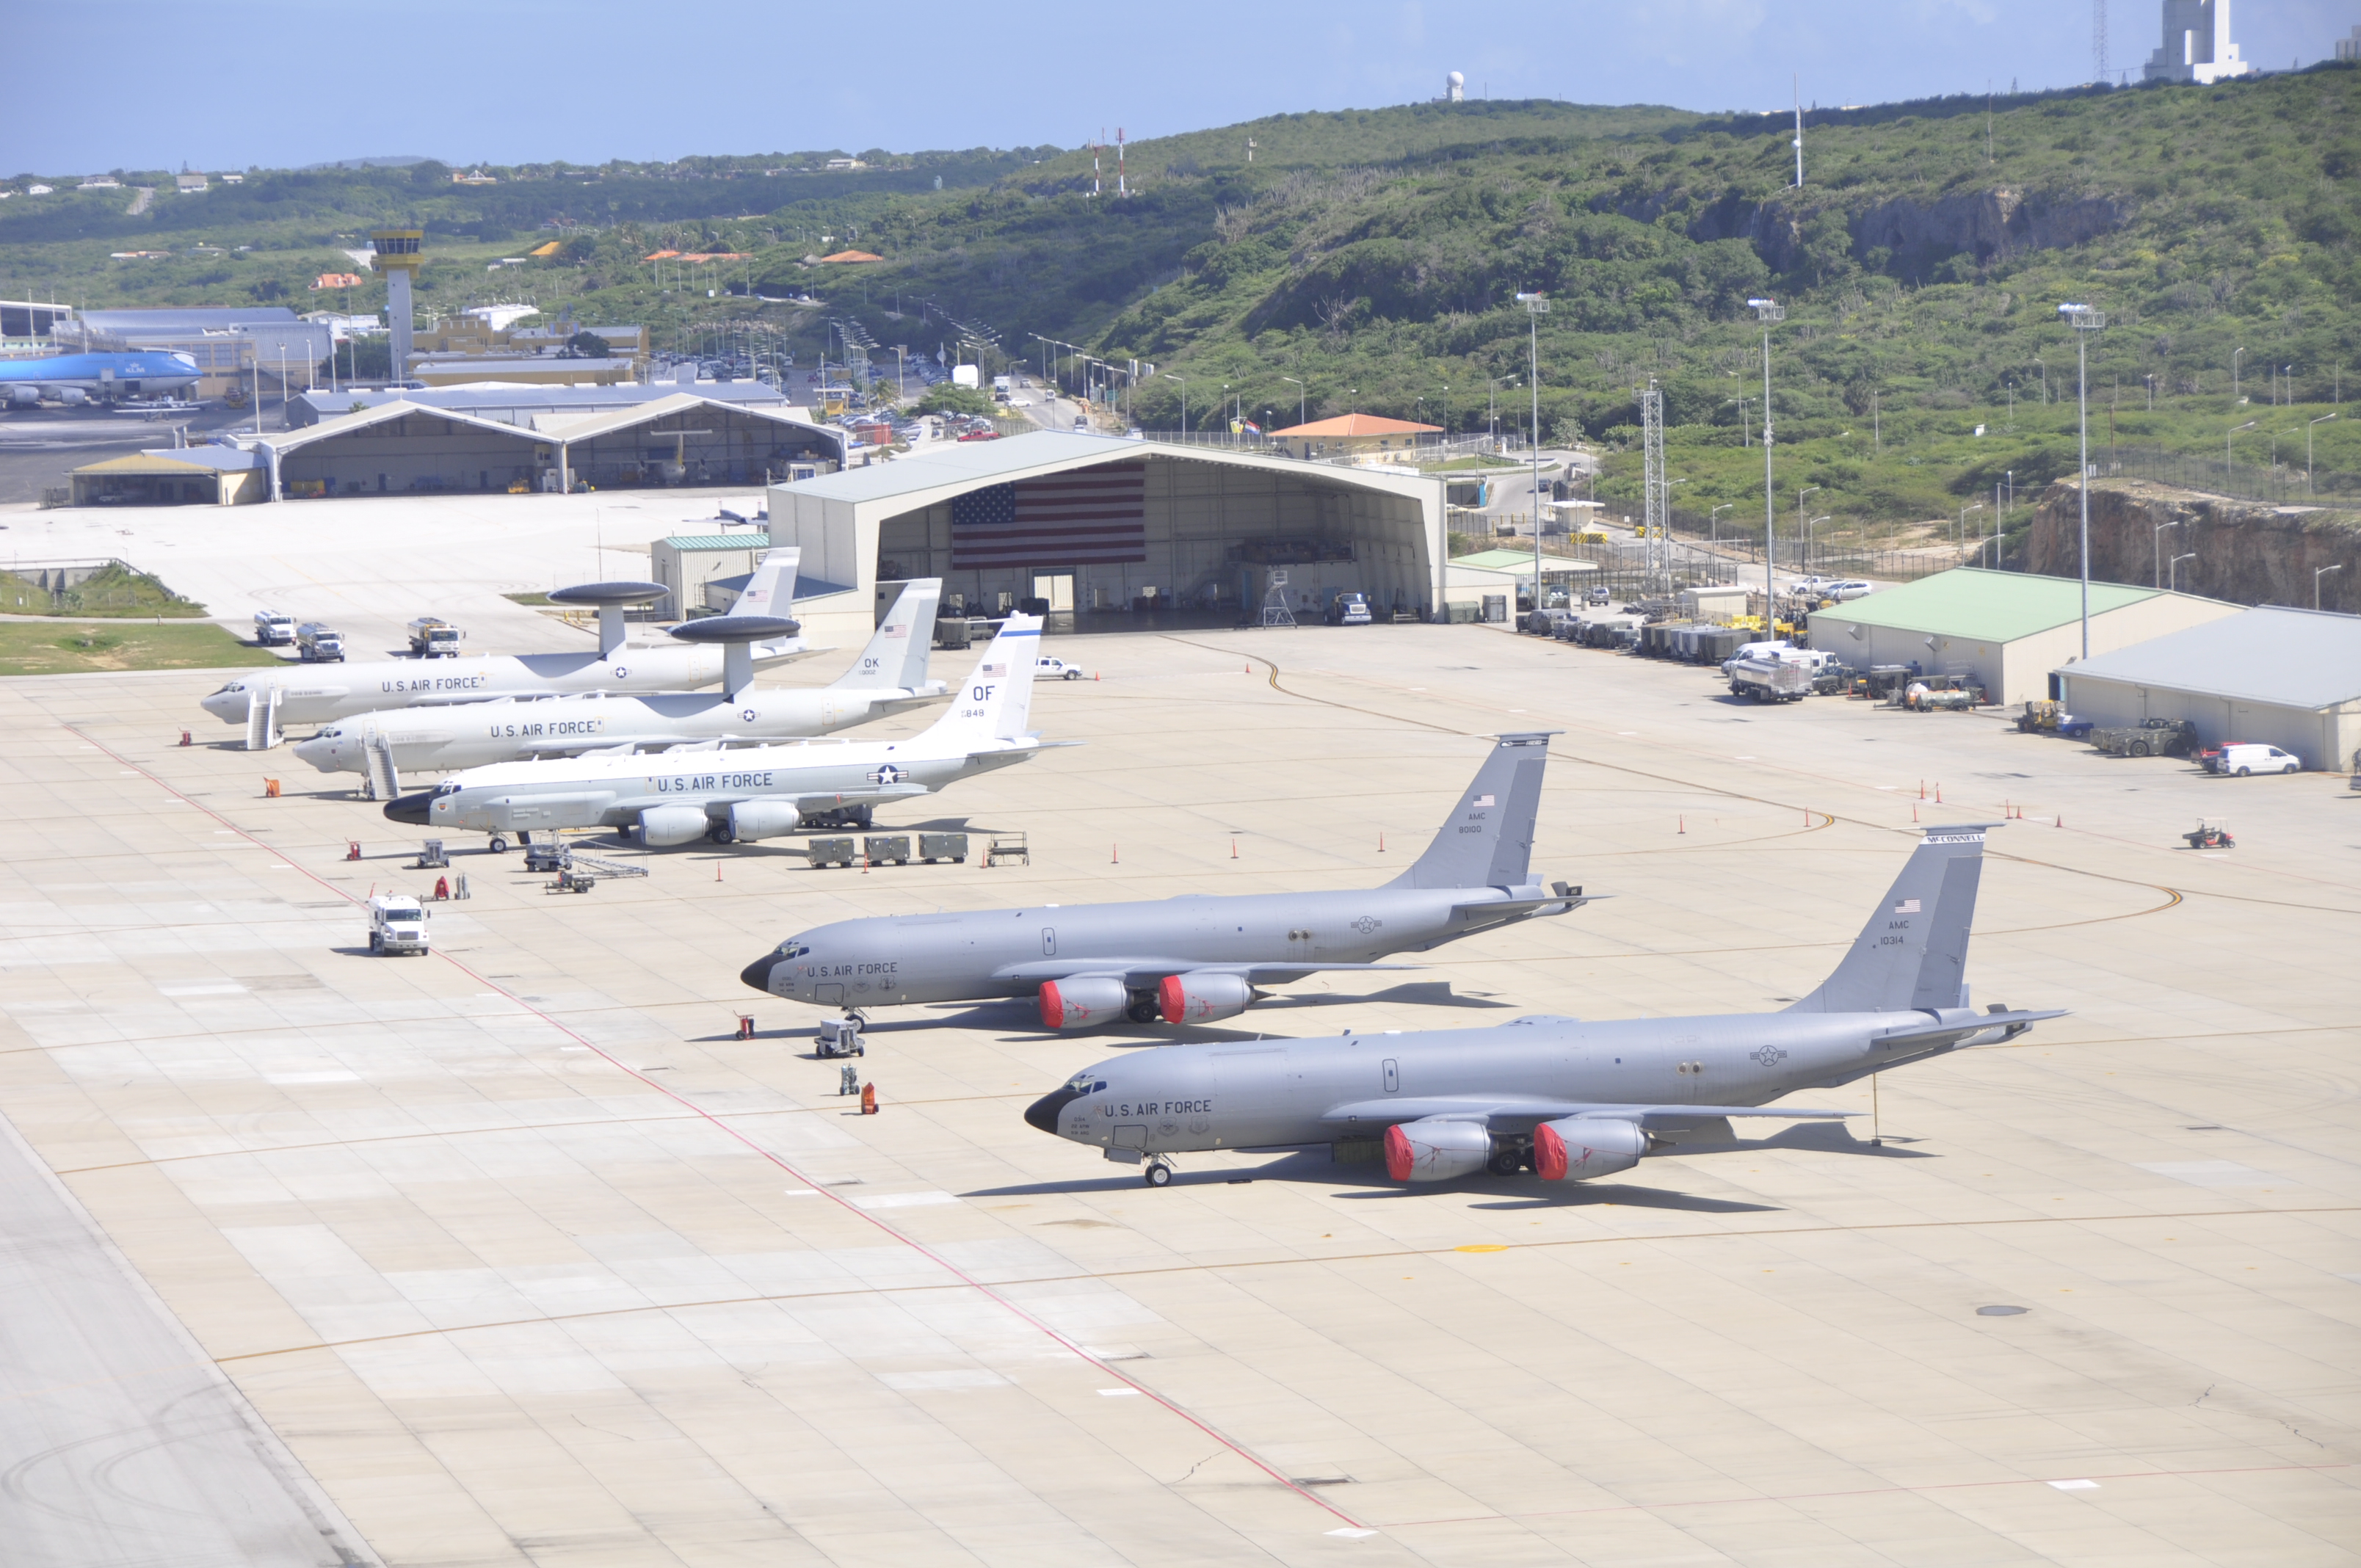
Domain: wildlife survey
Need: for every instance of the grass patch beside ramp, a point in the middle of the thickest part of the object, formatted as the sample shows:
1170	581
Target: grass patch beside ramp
28	648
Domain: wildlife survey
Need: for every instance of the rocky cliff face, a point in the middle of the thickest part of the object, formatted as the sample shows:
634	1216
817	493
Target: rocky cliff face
1986	224
2247	552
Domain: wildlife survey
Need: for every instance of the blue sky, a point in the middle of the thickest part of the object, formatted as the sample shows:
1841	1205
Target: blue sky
275	82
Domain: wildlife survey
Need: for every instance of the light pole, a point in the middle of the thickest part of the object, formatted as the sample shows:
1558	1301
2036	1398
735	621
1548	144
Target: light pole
1745	432
1184	405
2307	448
1960	534
2084	320
2155	550
2235	354
2225	447
1768	312
1536	307
1713	533
2315	581
2176	560
1800	494
1303	398
1811	539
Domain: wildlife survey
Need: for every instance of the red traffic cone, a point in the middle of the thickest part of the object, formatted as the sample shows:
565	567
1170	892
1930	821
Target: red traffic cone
869	1099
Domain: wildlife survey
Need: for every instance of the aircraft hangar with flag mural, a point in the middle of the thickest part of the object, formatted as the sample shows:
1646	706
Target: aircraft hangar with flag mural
1112	534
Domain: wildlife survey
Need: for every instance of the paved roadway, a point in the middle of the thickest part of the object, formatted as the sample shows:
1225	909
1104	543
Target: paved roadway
527	1259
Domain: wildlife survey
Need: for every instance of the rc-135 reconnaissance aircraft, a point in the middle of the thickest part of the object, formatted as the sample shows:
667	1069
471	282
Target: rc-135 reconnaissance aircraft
890	675
315	694
1199	957
757	791
1572	1100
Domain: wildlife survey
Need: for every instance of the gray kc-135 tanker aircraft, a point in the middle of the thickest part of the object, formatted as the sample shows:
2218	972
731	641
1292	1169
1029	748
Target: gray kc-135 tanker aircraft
1200	957
890	675
1570	1099
316	694
758	791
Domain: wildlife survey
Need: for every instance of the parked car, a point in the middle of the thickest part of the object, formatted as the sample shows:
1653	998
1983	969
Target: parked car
1846	589
2240	758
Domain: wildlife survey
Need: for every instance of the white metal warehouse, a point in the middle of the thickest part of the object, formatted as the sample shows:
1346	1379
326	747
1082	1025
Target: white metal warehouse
2291	678
1096	523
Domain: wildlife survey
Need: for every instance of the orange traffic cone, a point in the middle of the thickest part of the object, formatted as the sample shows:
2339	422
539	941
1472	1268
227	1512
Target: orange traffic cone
869	1099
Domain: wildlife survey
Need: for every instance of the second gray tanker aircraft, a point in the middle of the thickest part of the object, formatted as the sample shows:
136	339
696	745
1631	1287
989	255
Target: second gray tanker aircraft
1570	1098
1197	958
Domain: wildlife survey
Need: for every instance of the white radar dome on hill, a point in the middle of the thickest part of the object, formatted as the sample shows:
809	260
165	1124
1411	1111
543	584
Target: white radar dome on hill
1455	86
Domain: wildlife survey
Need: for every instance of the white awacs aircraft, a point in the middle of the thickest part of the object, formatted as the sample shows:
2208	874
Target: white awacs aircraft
760	791
297	694
890	675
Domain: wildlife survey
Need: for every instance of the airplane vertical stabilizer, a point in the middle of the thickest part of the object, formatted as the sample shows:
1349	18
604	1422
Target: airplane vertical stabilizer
1487	839
995	702
1913	951
897	655
771	591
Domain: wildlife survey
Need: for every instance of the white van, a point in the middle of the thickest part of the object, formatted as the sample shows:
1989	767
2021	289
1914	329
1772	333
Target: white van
2241	758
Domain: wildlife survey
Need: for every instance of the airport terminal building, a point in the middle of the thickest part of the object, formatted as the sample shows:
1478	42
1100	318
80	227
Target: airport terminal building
1097	525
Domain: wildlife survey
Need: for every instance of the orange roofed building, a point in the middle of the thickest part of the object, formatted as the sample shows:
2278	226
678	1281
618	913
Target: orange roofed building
1353	435
851	255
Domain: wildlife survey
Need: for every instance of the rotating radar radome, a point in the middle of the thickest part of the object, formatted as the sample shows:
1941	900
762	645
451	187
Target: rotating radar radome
602	595
610	600
738	629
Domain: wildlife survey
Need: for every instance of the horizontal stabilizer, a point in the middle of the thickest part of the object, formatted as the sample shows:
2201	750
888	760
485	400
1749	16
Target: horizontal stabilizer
1507	906
2016	1023
1516	1109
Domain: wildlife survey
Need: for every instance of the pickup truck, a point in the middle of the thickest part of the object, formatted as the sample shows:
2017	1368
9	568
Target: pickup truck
397	925
432	637
272	629
2151	737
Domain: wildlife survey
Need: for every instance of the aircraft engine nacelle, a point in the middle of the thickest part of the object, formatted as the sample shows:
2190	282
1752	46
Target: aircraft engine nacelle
1580	1147
1436	1149
662	827
1078	1002
751	819
72	397
23	397
1201	998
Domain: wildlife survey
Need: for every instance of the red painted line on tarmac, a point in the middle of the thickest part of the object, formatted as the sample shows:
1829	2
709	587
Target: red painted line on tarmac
988	1292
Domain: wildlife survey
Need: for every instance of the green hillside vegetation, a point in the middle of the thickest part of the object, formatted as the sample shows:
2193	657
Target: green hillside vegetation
1374	257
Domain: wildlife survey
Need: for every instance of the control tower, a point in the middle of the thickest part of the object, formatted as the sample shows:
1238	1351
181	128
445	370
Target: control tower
398	255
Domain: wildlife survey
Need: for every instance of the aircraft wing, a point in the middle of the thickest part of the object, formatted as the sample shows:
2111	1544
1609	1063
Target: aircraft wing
1529	1110
2015	1023
1141	972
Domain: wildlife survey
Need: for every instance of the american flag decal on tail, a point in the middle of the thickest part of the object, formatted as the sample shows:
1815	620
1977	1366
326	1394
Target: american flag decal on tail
1086	517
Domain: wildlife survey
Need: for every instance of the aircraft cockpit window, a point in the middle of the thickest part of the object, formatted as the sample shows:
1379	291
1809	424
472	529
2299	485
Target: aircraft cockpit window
1083	1083
448	786
792	948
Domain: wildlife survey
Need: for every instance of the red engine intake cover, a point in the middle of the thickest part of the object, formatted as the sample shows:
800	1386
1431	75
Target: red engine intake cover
1399	1157
1549	1154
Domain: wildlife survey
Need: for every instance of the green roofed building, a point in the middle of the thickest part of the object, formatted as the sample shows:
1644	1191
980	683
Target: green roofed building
2008	630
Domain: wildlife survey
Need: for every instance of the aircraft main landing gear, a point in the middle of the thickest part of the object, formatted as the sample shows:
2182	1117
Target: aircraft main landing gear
499	846
1158	1174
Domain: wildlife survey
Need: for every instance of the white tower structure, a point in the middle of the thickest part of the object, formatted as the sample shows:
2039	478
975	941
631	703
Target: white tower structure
1455	88
2196	46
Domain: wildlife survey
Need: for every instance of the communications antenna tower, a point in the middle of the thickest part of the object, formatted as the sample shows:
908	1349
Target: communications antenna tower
1274	602
2099	41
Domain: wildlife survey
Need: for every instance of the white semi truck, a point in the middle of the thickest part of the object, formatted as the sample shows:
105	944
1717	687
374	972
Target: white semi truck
272	629
434	638
1773	677
397	925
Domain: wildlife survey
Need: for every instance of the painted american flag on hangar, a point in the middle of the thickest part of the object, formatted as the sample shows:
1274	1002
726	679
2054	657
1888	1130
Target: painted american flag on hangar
1085	517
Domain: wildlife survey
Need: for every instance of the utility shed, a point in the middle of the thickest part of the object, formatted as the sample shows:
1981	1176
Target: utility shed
2291	678
2007	630
687	562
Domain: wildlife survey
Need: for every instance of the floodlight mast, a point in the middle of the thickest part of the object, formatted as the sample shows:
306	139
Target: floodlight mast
1536	307
2084	320
1767	312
